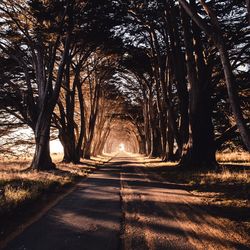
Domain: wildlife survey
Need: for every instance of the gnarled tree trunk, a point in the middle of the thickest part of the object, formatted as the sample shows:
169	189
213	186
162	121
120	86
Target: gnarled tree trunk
199	151
217	37
41	159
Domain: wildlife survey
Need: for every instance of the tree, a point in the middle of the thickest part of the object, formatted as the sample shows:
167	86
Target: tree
216	35
167	76
199	151
35	48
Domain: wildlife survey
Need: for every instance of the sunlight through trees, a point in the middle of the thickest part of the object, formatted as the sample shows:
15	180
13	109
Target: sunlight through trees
166	79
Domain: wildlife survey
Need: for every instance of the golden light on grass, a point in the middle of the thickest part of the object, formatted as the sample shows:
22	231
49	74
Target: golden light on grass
233	157
226	176
18	187
18	184
16	195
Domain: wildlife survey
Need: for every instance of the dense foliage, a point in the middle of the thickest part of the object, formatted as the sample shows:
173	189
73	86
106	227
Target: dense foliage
170	78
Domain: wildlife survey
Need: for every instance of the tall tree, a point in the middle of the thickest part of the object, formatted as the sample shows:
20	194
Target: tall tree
36	54
216	35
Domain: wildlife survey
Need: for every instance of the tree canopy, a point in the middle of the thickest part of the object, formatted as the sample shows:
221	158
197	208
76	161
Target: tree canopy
167	78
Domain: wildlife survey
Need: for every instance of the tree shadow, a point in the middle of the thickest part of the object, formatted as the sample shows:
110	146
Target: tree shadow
94	213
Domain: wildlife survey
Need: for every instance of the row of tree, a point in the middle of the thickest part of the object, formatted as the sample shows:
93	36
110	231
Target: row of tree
170	75
51	51
190	61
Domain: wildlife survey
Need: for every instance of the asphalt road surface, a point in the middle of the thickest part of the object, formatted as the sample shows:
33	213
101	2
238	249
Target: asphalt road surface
121	207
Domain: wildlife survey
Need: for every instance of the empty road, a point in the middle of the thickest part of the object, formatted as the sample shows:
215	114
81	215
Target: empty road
121	207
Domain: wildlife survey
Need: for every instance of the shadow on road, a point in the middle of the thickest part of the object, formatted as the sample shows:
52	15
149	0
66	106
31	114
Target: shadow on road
120	207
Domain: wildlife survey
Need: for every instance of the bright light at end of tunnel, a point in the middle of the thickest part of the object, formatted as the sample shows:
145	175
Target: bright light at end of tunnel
56	147
122	147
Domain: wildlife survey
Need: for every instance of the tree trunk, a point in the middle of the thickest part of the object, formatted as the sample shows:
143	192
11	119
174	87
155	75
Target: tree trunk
70	154
87	150
82	119
156	146
170	149
41	159
233	96
217	37
155	152
178	70
146	125
199	151
161	105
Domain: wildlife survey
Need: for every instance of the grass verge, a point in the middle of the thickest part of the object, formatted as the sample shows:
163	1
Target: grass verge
226	192
24	193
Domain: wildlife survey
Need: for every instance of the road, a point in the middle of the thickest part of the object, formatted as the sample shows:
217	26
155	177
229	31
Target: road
121	207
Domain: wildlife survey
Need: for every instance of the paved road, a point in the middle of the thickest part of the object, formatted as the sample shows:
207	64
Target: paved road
88	218
121	207
161	215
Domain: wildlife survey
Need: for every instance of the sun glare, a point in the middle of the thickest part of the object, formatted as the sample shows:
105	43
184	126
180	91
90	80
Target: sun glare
56	147
122	147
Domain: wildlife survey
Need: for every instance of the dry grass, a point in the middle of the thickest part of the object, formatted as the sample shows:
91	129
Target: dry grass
227	190
14	164
236	157
19	186
226	176
232	157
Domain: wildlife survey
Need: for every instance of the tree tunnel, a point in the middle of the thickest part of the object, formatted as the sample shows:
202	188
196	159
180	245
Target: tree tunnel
123	136
140	76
